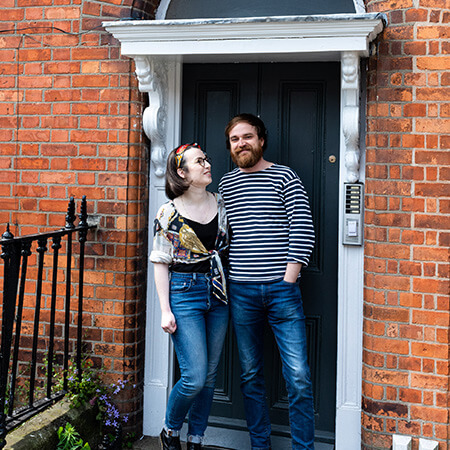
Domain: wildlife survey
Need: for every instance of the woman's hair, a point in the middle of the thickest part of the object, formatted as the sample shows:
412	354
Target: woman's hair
176	185
251	120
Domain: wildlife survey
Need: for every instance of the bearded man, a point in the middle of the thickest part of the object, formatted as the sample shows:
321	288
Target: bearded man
272	239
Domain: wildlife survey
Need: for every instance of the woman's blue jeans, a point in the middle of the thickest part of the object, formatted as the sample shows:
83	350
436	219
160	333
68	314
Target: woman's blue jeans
202	322
280	302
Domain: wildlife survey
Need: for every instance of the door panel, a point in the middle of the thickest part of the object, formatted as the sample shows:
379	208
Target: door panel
210	99
299	103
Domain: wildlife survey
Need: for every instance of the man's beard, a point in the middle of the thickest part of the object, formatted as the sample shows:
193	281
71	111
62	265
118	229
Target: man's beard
248	160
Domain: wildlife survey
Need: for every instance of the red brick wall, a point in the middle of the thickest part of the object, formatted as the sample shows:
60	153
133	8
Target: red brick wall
70	125
406	310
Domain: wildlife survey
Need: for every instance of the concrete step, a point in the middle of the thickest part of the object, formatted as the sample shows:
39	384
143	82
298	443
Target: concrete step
152	443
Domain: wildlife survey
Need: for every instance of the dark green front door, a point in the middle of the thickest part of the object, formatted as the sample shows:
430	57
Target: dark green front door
299	103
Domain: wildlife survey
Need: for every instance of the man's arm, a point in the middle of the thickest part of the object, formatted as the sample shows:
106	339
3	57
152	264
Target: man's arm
301	230
292	271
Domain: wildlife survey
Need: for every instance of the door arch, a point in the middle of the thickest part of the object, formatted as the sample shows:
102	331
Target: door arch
159	49
179	9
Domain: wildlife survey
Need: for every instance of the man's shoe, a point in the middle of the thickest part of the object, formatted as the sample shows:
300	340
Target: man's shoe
169	442
194	446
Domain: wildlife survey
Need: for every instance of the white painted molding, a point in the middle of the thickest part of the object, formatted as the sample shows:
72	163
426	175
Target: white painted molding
350	118
426	444
152	76
360	8
350	299
158	370
254	38
401	442
161	11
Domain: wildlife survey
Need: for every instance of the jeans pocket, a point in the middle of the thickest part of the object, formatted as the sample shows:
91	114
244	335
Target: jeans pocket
288	283
180	285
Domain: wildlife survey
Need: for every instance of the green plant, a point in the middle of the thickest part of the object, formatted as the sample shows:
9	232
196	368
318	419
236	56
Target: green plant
21	391
86	388
69	439
128	440
89	388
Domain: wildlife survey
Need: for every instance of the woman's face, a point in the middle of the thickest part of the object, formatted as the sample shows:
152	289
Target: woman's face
196	168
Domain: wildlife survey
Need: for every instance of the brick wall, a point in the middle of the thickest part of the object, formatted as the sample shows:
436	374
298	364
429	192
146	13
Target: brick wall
70	125
406	310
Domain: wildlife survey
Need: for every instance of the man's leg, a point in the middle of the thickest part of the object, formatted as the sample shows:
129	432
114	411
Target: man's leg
247	313
286	317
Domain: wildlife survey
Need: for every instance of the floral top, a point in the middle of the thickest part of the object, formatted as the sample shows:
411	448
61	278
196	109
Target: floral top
175	241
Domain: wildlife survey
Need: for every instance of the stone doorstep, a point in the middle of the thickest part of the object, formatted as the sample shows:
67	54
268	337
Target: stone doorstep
40	432
152	443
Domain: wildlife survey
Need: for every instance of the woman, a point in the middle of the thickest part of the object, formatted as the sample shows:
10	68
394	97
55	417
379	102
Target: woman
189	240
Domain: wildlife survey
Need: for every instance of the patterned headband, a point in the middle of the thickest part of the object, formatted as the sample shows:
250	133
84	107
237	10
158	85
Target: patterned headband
179	152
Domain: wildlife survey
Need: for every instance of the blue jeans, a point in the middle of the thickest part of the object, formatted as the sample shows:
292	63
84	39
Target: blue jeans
202	322
281	303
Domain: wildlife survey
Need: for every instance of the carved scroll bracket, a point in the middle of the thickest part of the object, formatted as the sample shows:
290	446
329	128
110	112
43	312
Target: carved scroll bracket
350	115
360	8
152	76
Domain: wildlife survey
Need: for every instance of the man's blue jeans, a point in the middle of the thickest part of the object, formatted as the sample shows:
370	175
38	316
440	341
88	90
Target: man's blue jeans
202	322
281	303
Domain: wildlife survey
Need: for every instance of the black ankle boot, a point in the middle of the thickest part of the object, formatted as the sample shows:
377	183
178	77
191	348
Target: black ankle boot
194	446
169	442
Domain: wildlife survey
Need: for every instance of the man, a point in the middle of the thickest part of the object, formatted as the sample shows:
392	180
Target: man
272	238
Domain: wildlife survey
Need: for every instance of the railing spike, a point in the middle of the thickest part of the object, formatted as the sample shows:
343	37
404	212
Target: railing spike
70	217
83	213
7	234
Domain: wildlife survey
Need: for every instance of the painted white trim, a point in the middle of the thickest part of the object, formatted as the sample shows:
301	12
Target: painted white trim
350	271
400	442
158	368
350	79
272	38
343	38
360	8
161	11
426	444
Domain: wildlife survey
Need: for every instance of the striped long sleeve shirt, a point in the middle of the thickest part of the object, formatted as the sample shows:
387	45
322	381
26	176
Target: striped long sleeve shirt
270	220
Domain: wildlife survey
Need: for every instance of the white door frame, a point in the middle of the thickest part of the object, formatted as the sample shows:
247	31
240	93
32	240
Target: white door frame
159	49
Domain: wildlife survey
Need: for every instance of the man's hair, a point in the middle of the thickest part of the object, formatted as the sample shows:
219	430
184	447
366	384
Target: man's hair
251	120
175	185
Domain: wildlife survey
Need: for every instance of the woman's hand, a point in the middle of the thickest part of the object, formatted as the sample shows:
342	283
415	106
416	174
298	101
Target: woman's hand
168	322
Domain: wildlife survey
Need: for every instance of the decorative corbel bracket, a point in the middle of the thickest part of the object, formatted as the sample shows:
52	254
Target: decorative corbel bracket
360	8
350	115
152	76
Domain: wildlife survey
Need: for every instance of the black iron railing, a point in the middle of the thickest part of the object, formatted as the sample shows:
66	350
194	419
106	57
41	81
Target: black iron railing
39	333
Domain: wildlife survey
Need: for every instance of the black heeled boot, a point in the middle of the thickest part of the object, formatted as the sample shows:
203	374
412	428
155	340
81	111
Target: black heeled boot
194	446
169	442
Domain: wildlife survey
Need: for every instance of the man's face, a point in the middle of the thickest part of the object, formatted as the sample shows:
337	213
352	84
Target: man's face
245	145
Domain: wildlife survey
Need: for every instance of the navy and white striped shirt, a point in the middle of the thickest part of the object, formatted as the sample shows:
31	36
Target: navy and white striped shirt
271	222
